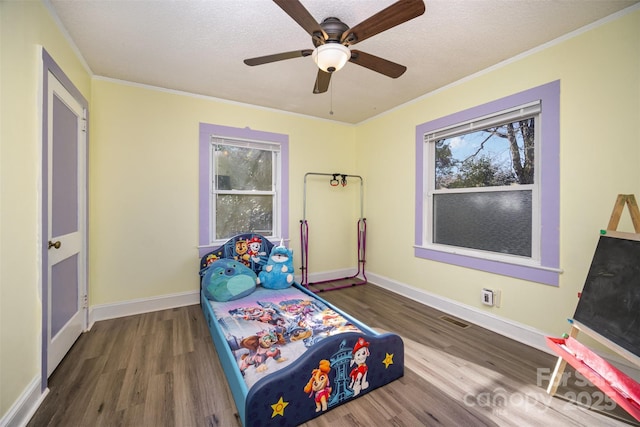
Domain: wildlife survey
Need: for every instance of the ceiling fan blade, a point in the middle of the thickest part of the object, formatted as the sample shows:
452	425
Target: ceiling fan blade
377	64
278	57
396	14
322	82
301	15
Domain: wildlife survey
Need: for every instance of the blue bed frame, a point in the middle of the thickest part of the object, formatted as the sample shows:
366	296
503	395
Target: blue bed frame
279	399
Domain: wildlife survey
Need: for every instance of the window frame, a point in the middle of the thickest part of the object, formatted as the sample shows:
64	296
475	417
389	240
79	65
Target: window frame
206	210
545	269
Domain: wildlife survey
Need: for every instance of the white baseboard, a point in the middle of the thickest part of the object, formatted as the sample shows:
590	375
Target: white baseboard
142	305
516	331
27	404
508	328
328	275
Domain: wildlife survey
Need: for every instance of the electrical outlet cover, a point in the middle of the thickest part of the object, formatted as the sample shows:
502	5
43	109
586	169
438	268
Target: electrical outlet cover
487	297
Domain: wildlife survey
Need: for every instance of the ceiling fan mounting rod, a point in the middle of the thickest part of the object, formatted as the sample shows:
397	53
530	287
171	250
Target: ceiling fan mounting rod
334	28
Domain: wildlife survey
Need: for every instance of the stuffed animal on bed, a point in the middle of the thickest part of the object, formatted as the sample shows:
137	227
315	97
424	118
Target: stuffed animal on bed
228	279
278	273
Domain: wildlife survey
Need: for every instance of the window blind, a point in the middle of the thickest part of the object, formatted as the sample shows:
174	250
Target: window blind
258	145
477	124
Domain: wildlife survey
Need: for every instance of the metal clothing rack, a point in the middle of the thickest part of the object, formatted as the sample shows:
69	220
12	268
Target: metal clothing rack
336	179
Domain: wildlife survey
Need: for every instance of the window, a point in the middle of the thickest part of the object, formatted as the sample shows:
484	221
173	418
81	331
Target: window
487	186
482	187
243	184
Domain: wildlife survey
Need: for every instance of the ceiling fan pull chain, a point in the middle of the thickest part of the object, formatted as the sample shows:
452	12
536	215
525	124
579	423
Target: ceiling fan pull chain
331	100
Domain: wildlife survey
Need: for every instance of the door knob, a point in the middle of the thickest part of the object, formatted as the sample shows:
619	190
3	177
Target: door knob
54	244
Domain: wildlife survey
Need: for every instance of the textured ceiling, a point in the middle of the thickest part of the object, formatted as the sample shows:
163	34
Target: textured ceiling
199	46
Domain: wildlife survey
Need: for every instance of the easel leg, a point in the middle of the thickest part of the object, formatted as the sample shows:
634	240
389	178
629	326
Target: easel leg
623	200
557	376
561	364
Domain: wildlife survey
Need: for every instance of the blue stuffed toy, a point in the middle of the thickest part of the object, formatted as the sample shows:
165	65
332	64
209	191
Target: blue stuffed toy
228	279
278	273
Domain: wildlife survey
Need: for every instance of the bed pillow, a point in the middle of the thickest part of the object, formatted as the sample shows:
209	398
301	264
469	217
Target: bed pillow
228	279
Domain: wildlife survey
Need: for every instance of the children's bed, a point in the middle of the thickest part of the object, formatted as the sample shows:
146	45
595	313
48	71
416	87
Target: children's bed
288	355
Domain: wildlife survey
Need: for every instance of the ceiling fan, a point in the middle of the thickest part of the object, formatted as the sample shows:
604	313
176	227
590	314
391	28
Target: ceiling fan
332	39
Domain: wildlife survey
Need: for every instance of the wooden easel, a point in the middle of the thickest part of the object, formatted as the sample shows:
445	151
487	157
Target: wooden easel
623	200
630	201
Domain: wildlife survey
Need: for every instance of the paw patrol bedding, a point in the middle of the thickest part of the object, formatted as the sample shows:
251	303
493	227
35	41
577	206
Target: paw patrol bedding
269	329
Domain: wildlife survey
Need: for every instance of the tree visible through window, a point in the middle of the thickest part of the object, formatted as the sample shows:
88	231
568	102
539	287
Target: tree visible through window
501	157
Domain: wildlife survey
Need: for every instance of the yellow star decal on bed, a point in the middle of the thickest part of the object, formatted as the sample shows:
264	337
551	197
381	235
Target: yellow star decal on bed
278	407
388	360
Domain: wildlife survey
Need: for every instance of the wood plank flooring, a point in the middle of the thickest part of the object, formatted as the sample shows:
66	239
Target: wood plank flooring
161	369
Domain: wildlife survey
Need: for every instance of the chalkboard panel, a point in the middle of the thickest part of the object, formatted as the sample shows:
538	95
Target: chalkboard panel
610	300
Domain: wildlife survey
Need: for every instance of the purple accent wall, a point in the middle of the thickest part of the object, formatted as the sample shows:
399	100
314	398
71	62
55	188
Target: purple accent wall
206	130
549	95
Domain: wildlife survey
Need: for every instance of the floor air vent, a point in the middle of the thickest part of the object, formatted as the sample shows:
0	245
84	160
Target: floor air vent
456	322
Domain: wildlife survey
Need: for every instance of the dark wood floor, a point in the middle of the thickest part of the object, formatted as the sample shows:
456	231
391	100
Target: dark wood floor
161	369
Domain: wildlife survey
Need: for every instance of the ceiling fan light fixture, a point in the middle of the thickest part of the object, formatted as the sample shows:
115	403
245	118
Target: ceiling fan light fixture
331	57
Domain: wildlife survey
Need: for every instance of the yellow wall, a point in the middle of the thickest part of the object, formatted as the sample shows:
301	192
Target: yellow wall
144	186
600	153
25	25
143	179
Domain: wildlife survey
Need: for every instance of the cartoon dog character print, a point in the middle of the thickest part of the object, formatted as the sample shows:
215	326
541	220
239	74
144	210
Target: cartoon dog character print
242	247
255	313
211	258
331	319
254	249
261	346
359	373
318	386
